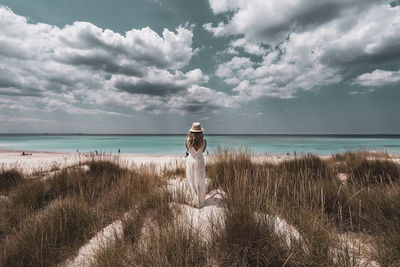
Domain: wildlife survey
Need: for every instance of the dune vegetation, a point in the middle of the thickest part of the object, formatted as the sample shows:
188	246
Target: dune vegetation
345	209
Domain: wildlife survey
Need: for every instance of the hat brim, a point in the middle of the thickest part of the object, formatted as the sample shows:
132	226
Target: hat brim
196	131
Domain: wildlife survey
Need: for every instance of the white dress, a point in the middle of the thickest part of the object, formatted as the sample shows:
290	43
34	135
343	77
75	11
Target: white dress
195	175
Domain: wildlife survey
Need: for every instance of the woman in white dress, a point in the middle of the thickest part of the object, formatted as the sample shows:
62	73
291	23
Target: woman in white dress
195	166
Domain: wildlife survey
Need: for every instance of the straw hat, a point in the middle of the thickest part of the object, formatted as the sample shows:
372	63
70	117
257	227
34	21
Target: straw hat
196	128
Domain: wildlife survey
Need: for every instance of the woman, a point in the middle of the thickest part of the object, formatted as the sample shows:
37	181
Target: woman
195	166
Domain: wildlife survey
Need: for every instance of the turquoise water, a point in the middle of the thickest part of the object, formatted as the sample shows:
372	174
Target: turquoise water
174	144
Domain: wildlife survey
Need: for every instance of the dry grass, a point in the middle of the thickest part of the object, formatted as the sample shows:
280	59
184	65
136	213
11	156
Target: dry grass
45	222
170	245
307	193
49	236
9	178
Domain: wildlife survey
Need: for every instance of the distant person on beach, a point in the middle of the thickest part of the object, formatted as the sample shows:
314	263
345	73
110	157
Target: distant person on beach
119	150
195	166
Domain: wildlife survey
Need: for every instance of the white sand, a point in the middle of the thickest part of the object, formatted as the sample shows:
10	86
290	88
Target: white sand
45	161
38	161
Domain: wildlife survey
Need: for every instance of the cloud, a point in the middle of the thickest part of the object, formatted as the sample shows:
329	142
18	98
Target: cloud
195	99
271	21
201	99
249	47
88	44
362	92
160	82
217	31
149	88
315	53
276	76
378	78
19	119
84	69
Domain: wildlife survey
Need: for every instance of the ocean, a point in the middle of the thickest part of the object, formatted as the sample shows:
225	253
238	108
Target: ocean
175	144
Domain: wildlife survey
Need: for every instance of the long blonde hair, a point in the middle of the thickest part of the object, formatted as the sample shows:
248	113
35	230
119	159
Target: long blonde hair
195	139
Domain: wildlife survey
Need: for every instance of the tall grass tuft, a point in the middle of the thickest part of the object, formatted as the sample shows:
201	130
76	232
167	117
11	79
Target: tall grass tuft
49	236
172	245
246	241
368	168
369	172
33	194
10	178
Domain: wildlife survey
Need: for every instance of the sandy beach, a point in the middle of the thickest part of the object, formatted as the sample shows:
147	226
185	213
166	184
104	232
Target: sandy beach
44	161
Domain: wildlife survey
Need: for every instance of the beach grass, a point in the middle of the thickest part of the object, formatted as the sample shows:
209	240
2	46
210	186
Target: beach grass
49	213
9	178
334	222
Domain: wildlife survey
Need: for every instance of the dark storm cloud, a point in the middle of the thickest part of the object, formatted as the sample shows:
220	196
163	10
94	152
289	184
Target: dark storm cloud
190	106
195	107
57	81
7	83
111	53
395	3
273	21
305	18
149	88
20	92
389	53
316	13
103	62
11	86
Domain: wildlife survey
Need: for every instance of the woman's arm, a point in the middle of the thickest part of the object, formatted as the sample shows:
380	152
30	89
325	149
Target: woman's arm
205	145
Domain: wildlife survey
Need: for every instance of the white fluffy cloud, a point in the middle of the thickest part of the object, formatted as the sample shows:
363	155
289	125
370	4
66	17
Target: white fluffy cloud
86	44
84	69
216	31
378	78
282	80
308	49
272	21
249	47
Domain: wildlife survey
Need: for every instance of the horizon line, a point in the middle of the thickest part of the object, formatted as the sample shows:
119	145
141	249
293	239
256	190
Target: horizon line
213	134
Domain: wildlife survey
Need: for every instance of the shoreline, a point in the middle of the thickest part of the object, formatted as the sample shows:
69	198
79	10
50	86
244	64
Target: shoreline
46	160
7	150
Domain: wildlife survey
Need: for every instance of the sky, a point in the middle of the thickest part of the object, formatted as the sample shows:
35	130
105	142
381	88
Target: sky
236	66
